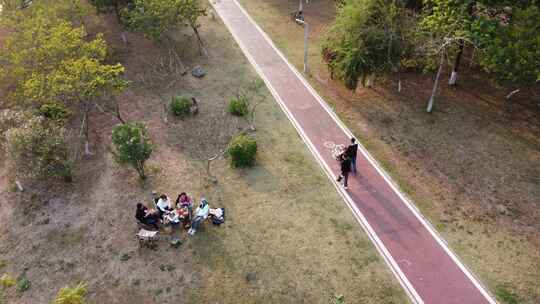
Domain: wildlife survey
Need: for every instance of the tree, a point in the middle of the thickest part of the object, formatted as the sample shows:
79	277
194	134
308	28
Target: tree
251	96
133	145
504	32
157	18
116	5
15	11
363	40
206	137
510	44
191	11
445	29
39	150
448	20
48	61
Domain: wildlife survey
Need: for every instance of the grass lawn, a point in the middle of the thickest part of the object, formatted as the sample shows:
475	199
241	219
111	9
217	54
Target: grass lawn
472	166
288	237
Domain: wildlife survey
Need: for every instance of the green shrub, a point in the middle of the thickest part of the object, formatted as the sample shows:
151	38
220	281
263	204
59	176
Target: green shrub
75	295
23	284
242	150
180	106
133	145
337	299
54	111
238	106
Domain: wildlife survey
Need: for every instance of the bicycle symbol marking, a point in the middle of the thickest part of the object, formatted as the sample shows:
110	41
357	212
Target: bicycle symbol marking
335	149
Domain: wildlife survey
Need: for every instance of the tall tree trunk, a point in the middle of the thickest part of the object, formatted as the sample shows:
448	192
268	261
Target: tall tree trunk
202	50
140	170
118	114
454	76
117	12
370	80
86	136
435	84
399	81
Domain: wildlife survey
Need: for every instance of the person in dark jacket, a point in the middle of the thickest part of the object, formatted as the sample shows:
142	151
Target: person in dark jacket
147	216
351	152
345	169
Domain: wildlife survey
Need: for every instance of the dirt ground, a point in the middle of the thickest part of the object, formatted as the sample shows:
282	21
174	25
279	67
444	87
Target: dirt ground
472	166
288	237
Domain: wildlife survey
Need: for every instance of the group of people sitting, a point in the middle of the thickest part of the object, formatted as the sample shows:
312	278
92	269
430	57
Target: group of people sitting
166	212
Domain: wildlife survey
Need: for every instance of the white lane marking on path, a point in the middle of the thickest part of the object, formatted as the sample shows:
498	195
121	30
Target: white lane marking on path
364	151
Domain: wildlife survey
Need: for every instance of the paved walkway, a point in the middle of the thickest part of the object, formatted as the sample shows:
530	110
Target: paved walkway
420	259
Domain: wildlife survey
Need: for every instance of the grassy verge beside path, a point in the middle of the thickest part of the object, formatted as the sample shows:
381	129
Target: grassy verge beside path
472	166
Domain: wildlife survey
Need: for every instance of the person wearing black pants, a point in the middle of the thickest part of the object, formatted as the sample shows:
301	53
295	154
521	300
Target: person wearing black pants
345	169
351	152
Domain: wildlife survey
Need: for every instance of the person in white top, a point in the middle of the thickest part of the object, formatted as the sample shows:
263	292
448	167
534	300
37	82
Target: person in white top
164	204
200	215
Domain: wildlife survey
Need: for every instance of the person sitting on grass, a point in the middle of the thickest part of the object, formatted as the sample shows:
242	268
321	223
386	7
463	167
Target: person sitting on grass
147	216
184	201
164	205
200	215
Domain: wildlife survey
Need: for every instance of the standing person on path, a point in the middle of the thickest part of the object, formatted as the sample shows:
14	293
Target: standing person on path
351	152
345	169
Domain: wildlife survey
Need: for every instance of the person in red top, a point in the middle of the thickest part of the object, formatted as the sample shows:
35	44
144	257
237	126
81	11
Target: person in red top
184	201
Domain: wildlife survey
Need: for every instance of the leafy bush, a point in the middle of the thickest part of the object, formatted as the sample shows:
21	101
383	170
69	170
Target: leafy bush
39	150
337	299
23	284
133	145
239	106
7	281
75	295
54	111
180	106
242	150
363	39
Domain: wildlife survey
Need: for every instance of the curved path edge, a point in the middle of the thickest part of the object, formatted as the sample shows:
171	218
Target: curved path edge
245	30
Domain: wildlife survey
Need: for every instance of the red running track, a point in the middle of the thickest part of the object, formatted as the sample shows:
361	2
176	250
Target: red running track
420	259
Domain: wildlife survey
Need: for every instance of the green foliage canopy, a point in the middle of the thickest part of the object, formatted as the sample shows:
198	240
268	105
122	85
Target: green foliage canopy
511	49
49	60
364	39
507	34
133	145
154	18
